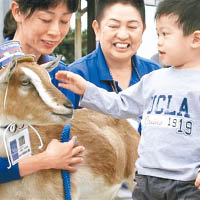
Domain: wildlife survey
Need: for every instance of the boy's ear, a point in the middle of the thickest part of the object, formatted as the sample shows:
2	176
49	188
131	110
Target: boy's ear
96	28
196	39
16	11
144	27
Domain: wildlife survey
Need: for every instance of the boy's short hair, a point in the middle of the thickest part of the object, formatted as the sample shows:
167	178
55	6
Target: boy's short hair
187	11
101	5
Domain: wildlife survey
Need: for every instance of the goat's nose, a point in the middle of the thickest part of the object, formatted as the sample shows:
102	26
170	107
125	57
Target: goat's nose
68	105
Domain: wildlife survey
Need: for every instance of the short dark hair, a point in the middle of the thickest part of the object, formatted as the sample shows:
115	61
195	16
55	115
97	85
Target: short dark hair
29	6
10	25
32	5
187	12
101	5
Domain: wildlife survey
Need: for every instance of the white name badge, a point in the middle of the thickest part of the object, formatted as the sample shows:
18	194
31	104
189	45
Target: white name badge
19	145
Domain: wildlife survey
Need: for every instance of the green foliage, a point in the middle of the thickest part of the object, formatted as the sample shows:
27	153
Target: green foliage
66	48
84	42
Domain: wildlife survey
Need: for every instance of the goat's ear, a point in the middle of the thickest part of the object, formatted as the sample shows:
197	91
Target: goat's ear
52	64
8	71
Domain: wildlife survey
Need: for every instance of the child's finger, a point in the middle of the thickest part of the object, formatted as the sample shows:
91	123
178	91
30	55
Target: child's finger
61	75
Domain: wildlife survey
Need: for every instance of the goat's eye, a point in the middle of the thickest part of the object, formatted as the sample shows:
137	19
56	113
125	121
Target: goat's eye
26	82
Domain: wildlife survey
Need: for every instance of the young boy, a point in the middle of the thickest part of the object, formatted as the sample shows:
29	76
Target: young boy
169	100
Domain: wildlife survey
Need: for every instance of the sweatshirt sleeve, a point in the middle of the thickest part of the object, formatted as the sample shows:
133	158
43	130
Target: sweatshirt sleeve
7	175
127	104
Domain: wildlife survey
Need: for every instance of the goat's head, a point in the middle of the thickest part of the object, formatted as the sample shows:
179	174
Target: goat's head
28	96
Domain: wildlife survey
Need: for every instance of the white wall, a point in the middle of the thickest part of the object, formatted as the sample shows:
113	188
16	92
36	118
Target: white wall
4	7
149	44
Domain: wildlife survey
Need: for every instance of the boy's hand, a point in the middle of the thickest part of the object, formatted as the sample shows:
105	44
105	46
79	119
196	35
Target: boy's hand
71	81
197	182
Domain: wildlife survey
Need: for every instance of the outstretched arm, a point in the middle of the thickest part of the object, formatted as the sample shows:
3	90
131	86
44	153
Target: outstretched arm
126	104
71	81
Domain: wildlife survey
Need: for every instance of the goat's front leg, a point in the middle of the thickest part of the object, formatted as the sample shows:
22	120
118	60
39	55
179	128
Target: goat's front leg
74	191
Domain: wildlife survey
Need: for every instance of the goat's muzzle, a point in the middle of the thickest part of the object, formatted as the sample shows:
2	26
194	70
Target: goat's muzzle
65	115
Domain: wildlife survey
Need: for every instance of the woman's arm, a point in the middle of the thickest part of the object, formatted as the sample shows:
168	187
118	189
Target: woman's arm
56	156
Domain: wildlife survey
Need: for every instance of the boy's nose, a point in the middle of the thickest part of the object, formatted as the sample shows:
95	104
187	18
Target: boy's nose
159	42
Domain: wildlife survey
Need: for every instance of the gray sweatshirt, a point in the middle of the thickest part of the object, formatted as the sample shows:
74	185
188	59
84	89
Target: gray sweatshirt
169	100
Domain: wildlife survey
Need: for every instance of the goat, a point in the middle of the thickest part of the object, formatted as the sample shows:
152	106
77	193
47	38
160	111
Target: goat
28	97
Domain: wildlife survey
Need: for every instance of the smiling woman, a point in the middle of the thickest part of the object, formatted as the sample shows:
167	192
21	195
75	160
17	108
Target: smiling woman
41	31
114	65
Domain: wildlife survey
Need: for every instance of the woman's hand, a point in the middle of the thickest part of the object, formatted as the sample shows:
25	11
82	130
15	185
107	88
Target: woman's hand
56	156
71	81
63	155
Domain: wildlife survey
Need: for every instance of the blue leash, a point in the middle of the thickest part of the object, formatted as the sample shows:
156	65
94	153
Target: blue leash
65	137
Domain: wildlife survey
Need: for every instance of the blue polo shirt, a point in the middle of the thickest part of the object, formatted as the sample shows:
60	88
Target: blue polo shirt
93	68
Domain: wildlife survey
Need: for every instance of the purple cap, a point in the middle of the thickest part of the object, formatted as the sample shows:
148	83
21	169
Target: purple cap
8	50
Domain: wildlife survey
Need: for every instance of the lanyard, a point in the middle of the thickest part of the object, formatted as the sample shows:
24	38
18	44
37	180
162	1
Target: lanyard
135	68
114	86
113	82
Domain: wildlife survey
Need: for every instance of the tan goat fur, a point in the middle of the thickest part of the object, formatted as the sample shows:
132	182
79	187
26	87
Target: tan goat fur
111	144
